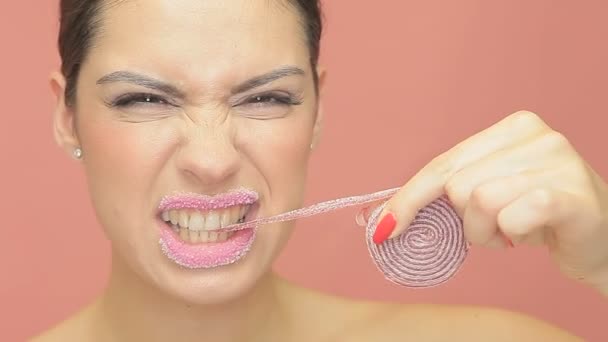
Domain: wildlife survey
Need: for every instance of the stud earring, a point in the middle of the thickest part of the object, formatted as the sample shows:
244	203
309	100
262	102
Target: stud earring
77	153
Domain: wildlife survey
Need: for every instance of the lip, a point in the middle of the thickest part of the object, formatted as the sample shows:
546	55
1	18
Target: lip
188	200
210	254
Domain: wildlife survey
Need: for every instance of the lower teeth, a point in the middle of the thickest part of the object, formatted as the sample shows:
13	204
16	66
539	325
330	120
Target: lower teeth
203	236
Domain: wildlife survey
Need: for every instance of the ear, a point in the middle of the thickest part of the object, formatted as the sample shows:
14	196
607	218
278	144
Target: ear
318	127
64	128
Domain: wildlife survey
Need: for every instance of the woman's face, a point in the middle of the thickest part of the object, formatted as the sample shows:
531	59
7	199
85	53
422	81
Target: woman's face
179	99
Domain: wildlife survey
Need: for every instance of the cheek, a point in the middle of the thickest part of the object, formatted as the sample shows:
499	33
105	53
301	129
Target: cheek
125	148
279	150
280	146
122	160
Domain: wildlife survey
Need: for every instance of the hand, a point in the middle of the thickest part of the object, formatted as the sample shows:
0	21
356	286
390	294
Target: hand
517	182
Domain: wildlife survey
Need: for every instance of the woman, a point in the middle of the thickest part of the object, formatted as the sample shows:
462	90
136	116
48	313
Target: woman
191	115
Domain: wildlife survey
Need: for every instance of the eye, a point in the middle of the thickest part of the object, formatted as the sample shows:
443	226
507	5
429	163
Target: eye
129	100
272	100
269	105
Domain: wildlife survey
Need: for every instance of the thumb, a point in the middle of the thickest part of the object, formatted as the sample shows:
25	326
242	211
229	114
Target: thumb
363	215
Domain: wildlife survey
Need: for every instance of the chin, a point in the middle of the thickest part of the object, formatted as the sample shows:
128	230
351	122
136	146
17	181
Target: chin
215	286
188	255
222	282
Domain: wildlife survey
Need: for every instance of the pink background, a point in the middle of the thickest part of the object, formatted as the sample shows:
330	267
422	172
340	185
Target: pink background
407	80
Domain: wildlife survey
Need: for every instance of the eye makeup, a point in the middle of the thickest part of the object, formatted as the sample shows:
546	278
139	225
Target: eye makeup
132	99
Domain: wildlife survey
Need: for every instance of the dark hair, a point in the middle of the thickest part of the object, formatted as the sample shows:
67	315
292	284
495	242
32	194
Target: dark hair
80	22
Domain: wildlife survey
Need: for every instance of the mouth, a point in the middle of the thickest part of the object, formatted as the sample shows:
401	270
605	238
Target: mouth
196	226
191	228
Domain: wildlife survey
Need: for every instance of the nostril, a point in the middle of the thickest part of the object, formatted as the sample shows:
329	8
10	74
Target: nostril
207	162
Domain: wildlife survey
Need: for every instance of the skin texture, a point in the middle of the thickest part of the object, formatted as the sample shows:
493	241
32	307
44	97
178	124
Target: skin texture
199	143
209	140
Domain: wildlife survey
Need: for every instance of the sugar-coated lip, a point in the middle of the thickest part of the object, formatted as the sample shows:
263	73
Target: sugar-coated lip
189	200
207	255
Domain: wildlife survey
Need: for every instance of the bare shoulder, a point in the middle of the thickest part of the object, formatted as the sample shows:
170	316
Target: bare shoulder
337	318
450	323
74	328
61	332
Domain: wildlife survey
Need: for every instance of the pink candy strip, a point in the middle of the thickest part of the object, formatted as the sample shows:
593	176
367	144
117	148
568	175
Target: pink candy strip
318	208
429	252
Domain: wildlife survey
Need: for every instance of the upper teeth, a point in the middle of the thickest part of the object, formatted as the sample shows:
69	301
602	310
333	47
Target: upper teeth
205	220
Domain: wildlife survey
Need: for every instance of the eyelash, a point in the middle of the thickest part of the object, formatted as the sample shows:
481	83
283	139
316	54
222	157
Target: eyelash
273	99
131	99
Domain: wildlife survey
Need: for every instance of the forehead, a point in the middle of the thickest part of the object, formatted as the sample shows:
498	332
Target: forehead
201	34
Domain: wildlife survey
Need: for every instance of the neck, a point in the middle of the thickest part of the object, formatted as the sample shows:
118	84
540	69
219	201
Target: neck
133	310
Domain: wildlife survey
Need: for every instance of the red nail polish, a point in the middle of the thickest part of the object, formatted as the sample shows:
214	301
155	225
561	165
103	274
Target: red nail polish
508	241
384	228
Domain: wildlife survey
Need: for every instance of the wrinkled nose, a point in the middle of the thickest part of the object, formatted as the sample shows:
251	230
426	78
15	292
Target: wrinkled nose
208	156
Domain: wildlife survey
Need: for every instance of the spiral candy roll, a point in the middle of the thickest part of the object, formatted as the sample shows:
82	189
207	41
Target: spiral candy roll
429	252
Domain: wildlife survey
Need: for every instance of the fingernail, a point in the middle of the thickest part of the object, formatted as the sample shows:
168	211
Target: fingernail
359	220
384	228
508	241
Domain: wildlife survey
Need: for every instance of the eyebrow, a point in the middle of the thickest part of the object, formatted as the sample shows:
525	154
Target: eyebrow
152	83
141	80
269	77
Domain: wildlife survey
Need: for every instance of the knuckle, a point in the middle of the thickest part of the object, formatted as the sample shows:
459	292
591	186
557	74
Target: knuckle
577	169
482	197
442	165
524	117
543	200
454	190
451	188
525	120
555	140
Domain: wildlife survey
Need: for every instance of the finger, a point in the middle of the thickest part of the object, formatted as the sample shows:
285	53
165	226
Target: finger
428	183
486	201
512	130
362	217
529	217
364	214
545	152
498	241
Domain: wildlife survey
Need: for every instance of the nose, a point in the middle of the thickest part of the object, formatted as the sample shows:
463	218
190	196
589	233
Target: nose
208	156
